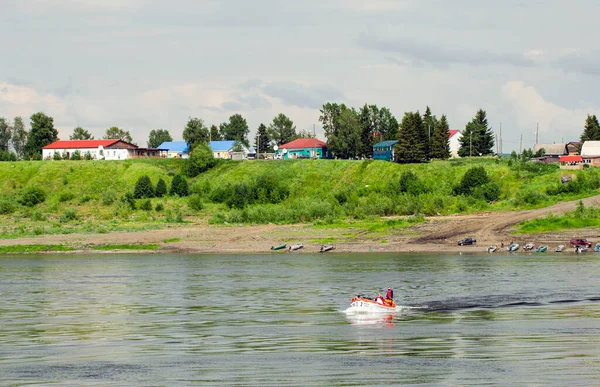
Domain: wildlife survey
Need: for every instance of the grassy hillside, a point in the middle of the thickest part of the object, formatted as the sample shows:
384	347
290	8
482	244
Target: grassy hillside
85	195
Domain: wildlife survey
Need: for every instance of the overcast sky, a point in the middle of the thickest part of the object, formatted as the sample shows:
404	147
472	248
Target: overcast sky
150	64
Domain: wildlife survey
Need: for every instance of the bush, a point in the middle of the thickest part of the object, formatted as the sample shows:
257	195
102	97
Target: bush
143	188
6	207
490	192
68	216
88	155
161	188
159	207
201	160
532	197
109	197
84	199
195	202
473	178
57	156
146	205
66	197
179	186
32	196
411	184
128	200
76	155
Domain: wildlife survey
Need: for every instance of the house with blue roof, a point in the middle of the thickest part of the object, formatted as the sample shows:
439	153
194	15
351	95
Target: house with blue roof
224	150
384	150
176	149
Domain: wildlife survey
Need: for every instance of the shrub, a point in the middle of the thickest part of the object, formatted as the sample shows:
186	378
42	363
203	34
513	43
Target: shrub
69	215
146	205
143	188
159	207
88	155
474	177
490	192
411	184
532	197
6	207
161	188
128	200
6	155
76	155
84	199
66	197
31	196
179	186
109	197
195	202
200	160
57	156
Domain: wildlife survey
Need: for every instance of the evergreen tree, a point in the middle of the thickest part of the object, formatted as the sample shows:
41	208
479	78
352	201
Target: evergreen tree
143	188
81	134
411	144
236	129
161	188
262	142
19	137
195	132
282	130
388	125
370	134
440	147
215	135
477	138
5	134
591	130
429	124
42	133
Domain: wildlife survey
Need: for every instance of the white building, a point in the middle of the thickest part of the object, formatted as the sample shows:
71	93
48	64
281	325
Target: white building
99	150
454	144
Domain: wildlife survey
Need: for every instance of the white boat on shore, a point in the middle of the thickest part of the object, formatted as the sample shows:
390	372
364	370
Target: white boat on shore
513	247
297	246
559	248
492	249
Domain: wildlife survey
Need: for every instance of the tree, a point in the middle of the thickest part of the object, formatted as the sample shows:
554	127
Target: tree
161	188
42	133
473	178
201	160
143	188
262	142
282	130
81	134
114	133
429	124
410	147
157	137
179	186
440	147
5	134
19	136
342	128
369	135
236	129
215	135
477	138
195	132
591	130
305	134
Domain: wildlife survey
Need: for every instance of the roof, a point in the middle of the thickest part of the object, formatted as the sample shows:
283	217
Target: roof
570	158
551	149
453	132
385	144
300	143
175	146
590	148
222	146
79	144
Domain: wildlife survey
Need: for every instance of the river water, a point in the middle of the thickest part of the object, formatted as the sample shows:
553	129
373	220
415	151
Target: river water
277	320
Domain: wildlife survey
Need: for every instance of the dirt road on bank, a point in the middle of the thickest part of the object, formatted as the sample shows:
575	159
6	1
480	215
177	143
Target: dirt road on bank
438	234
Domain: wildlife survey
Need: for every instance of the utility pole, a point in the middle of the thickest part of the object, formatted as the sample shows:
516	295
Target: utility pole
497	146
537	133
470	144
521	145
314	141
501	138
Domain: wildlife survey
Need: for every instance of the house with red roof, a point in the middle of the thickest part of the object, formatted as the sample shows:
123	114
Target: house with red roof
454	144
303	148
100	149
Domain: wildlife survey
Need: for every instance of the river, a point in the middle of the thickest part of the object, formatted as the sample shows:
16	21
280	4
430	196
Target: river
277	320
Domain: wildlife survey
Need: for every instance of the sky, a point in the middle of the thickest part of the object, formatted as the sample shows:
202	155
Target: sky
150	64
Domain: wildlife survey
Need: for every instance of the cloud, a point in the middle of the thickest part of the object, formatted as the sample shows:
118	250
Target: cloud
303	96
580	61
417	51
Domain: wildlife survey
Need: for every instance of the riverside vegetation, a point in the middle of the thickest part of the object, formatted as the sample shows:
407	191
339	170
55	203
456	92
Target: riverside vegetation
59	197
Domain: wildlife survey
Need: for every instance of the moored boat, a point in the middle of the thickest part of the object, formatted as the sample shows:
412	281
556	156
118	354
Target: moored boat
326	248
541	249
491	249
513	247
580	249
279	247
528	247
597	247
559	248
297	246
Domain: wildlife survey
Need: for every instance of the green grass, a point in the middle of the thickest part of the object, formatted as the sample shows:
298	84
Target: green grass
582	217
33	248
172	240
150	246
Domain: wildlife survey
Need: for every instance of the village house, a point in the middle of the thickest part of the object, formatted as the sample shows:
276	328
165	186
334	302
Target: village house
303	148
552	152
176	149
225	150
384	150
454	143
99	150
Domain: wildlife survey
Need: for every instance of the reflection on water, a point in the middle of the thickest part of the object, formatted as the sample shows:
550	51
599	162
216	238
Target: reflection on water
274	320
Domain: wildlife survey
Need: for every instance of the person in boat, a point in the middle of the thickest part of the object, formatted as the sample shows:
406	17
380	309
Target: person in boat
379	299
389	294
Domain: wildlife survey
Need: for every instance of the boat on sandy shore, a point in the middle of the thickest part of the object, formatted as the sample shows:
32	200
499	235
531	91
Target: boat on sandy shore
513	247
541	249
492	248
326	248
278	247
559	248
528	247
297	246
